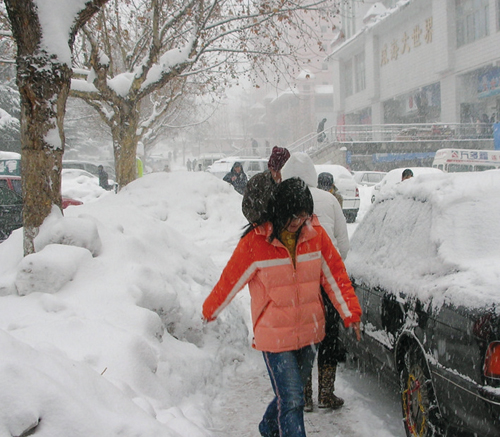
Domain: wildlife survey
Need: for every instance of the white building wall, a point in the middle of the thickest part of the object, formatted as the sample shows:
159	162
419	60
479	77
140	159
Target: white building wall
414	47
409	50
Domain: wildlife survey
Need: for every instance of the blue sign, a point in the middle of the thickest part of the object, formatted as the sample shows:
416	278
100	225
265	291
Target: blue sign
394	157
489	83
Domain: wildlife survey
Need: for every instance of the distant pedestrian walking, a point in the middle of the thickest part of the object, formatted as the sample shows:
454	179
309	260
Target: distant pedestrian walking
321	131
237	178
188	165
103	178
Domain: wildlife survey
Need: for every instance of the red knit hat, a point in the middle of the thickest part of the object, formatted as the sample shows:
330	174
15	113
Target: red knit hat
278	158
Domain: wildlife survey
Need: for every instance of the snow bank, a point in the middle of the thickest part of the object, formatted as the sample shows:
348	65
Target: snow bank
101	331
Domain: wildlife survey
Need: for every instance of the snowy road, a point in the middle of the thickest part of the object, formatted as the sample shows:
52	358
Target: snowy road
371	409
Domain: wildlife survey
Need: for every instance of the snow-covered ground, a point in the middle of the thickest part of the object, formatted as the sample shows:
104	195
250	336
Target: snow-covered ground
101	331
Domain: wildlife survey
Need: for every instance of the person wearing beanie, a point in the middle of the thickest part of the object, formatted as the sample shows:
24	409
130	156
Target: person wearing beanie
331	217
284	261
326	183
260	186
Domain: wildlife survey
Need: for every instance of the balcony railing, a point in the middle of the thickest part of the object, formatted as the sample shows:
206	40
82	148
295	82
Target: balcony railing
383	133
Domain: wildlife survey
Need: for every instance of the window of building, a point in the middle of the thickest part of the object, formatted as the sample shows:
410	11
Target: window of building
359	72
348	85
472	20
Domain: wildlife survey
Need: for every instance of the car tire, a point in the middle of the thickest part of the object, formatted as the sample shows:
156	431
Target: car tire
421	415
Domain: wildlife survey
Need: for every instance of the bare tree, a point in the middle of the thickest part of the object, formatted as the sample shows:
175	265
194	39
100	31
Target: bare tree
43	79
165	48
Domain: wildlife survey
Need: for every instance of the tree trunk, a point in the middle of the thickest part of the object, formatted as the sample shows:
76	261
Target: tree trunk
125	145
44	88
43	82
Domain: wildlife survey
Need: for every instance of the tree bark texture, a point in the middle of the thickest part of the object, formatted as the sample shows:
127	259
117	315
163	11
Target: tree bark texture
124	132
44	83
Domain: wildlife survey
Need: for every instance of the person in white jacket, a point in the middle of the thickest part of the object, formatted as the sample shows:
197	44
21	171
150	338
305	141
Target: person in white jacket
332	219
326	206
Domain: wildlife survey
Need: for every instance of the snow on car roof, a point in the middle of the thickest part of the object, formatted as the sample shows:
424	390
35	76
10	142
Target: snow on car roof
435	236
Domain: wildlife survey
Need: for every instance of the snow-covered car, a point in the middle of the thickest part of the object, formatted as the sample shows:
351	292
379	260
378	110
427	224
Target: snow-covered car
368	178
251	166
425	263
394	177
347	186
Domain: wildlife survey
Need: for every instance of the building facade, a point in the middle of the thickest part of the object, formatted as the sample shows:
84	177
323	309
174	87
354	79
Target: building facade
417	61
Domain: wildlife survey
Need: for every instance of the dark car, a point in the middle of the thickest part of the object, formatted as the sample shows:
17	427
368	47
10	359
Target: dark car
11	212
425	264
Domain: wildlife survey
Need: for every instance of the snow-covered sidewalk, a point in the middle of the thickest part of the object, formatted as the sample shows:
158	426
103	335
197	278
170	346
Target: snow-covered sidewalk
371	407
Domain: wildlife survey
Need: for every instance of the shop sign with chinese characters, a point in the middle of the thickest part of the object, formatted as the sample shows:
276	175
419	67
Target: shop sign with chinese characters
408	41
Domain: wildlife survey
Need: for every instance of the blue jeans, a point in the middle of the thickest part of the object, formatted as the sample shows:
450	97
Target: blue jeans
288	371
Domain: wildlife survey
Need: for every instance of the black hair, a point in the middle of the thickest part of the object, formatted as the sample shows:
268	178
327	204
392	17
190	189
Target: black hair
407	173
291	197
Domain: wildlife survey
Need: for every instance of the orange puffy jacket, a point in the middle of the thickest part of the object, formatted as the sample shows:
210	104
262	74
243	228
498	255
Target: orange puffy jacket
287	309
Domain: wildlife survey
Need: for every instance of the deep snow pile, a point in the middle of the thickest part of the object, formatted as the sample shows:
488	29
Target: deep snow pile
101	330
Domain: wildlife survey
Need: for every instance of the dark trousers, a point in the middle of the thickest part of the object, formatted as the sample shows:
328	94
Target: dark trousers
330	351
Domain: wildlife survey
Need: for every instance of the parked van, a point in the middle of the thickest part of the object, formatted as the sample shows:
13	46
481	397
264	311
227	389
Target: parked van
462	160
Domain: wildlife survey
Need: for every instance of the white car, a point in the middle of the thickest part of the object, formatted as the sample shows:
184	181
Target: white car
368	178
394	177
347	187
88	166
251	166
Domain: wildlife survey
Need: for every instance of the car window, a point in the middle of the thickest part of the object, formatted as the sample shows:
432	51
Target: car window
10	167
17	185
374	177
254	166
73	165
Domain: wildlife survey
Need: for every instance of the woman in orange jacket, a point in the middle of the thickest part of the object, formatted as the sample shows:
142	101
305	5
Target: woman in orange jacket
284	260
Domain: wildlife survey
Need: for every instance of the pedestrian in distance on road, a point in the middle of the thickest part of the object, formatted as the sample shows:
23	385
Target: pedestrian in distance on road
188	165
284	261
237	178
332	219
261	186
103	178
